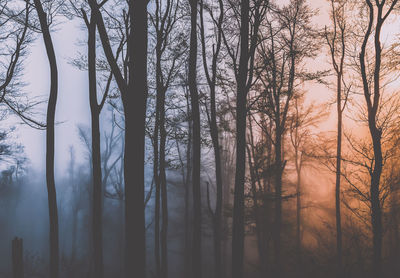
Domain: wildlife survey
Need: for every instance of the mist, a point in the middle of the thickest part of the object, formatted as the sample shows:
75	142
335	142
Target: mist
199	139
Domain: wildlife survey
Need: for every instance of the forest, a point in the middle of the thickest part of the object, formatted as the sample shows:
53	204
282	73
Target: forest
199	138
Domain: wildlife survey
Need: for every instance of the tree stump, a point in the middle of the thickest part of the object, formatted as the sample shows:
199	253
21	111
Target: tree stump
17	258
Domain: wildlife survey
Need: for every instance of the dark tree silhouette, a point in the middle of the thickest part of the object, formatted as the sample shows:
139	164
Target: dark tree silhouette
241	107
196	147
211	77
133	89
167	54
51	110
97	227
372	95
336	41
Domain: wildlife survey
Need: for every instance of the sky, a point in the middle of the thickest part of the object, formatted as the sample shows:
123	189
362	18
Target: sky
73	100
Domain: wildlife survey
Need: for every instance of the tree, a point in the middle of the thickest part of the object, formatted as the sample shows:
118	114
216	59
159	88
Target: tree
242	62
169	48
51	110
95	109
196	147
211	77
133	89
372	95
288	40
336	41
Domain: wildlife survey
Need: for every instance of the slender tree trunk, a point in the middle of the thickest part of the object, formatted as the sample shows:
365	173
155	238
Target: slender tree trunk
211	80
158	189
298	210
241	106
162	181
278	199
188	231
338	175
376	217
51	110
218	175
97	231
164	196
194	98
134	102
257	215
375	131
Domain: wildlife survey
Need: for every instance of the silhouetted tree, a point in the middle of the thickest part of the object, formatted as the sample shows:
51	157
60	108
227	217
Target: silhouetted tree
289	39
336	41
133	89
372	95
51	110
196	147
211	77
169	48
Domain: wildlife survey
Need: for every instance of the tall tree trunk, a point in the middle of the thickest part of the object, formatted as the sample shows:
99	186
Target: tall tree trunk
375	131
241	106
161	179
158	189
188	232
376	217
97	230
298	209
278	199
211	80
134	98
194	98
134	102
338	175
51	110
164	196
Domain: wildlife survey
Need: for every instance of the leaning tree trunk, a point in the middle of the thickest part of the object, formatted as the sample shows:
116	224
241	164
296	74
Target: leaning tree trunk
51	110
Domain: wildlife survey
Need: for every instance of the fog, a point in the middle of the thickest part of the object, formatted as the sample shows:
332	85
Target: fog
282	164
